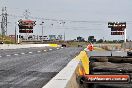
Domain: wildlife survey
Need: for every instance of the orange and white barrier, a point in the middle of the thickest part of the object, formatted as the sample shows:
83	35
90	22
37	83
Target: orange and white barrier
89	47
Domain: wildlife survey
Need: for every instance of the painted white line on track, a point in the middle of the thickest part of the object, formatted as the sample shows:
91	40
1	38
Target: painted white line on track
22	53
15	54
8	55
45	50
50	49
0	56
30	52
62	47
38	51
57	48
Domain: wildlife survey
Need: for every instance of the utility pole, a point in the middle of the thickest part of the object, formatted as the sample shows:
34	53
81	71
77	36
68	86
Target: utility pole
64	36
63	23
4	23
26	14
125	35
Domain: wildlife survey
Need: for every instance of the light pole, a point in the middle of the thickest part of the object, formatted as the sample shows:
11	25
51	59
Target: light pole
64	30
18	41
42	29
2	37
15	32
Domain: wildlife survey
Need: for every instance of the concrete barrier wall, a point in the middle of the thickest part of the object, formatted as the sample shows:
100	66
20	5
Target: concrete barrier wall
127	45
66	78
109	46
17	46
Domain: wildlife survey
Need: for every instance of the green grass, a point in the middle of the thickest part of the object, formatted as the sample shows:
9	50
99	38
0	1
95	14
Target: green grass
7	40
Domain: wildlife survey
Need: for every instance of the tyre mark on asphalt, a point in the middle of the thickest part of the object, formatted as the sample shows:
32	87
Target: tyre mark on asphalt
32	71
18	66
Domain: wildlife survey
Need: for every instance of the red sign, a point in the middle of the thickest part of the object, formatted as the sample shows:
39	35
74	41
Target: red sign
117	29
26	24
25	27
117	33
25	31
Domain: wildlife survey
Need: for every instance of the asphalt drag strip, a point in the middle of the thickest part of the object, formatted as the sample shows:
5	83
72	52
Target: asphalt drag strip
33	70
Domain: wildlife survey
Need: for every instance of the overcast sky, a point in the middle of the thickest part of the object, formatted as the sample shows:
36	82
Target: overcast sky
96	12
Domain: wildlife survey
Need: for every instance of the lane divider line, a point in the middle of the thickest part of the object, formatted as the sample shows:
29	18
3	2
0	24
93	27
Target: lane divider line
16	54
22	53
8	55
38	51
50	49
30	52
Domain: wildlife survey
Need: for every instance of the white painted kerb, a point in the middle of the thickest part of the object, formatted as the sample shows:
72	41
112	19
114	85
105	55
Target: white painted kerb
62	79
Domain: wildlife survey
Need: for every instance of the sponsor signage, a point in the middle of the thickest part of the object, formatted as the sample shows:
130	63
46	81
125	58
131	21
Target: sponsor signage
117	24
107	78
117	28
